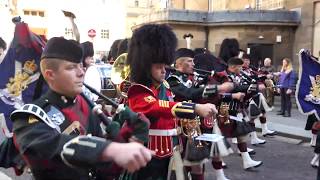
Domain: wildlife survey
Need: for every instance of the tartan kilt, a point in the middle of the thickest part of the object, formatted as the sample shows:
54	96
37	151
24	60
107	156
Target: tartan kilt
235	128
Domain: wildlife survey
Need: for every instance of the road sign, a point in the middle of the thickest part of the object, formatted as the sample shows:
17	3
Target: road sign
92	33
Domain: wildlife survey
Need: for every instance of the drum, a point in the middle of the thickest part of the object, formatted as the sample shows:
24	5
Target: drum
105	76
99	77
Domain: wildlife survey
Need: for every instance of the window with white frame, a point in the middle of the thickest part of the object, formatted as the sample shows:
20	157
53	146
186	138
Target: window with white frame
104	33
68	32
269	4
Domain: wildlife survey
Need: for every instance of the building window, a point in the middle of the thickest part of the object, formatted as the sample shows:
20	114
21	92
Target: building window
136	3
27	13
269	4
68	32
41	13
258	4
33	13
104	34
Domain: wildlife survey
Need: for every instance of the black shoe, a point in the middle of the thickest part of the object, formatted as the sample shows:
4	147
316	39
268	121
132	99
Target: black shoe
252	153
280	113
270	134
286	114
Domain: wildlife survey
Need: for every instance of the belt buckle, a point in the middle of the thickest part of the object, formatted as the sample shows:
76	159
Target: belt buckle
179	130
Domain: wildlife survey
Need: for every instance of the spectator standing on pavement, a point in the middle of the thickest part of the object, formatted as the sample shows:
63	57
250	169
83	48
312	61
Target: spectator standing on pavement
269	91
267	66
286	86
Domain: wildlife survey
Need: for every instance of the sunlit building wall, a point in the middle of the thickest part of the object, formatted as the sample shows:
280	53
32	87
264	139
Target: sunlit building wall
45	17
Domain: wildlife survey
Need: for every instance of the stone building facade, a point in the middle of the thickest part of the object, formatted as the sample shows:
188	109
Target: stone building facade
265	28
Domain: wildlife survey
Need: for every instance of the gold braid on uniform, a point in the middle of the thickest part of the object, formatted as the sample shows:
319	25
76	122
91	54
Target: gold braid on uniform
184	110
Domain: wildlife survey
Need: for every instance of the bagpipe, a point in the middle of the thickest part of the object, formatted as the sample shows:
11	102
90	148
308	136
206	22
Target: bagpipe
251	81
254	101
258	74
211	77
250	87
200	73
125	125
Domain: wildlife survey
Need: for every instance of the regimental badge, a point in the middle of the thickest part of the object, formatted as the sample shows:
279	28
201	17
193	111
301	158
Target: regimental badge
56	116
149	99
314	95
21	79
32	119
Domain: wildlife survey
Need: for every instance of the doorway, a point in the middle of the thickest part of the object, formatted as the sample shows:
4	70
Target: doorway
258	52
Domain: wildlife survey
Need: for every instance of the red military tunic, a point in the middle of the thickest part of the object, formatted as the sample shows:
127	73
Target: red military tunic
162	114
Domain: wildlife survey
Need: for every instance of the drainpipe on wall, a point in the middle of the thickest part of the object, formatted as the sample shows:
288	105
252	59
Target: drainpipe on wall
206	42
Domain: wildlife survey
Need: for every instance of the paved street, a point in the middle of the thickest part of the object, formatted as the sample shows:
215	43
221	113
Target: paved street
284	157
287	126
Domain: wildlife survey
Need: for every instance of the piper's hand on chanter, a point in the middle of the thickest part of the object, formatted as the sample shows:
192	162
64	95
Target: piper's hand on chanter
130	156
238	96
205	110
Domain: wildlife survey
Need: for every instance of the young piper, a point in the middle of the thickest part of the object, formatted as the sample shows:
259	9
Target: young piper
59	135
151	49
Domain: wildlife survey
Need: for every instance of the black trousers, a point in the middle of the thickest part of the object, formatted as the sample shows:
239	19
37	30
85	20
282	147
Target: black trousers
285	101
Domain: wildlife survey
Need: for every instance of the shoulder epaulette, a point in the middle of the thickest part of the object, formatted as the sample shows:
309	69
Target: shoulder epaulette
138	88
32	109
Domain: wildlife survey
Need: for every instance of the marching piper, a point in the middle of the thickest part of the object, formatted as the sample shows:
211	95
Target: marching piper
151	50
